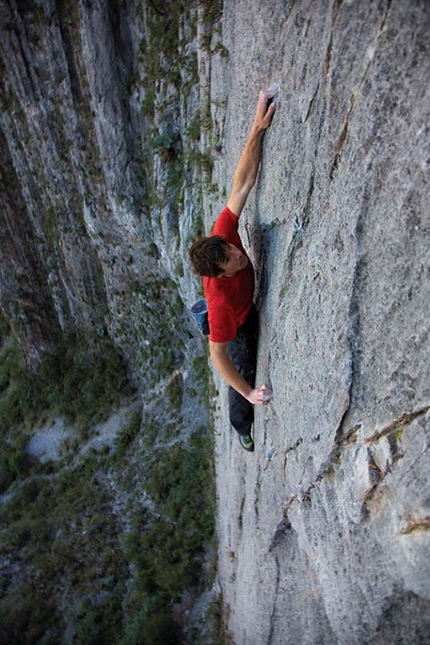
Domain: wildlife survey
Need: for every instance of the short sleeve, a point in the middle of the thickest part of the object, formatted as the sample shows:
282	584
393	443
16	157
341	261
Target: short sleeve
227	225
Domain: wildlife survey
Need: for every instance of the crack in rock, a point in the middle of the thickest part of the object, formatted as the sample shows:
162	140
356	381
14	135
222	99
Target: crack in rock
311	102
376	475
398	425
272	616
414	524
283	527
240	516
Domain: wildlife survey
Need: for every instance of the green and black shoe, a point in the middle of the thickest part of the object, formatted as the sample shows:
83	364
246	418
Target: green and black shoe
246	442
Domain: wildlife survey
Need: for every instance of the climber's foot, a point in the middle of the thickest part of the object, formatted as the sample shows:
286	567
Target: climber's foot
246	442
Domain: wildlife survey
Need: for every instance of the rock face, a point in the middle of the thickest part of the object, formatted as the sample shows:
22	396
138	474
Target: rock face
93	128
121	124
324	531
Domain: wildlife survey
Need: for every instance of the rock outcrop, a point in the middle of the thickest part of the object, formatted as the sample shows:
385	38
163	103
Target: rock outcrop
120	127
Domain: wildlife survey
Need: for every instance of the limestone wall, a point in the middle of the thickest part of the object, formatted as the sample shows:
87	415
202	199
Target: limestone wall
324	531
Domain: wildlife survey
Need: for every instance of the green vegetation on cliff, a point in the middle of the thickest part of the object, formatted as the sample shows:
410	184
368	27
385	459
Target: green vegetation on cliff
76	379
100	544
71	554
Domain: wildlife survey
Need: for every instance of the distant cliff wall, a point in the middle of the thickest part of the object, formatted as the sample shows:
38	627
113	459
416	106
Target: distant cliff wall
103	162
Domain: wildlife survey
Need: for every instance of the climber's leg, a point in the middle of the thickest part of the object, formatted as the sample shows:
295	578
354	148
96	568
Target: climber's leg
242	351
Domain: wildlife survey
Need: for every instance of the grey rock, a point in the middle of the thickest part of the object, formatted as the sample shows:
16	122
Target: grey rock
330	535
332	538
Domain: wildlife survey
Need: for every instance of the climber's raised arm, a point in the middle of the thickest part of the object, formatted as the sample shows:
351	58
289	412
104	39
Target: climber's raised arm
247	169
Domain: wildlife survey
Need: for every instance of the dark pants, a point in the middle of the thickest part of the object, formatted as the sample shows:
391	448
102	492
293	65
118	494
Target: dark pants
242	351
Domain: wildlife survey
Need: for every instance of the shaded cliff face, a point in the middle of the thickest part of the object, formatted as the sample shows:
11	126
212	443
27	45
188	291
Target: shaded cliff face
104	134
324	531
101	154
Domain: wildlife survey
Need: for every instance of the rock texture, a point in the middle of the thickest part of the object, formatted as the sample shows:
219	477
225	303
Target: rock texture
324	531
90	234
120	127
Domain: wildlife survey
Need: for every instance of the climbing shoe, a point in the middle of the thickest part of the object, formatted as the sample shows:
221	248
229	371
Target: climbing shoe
246	442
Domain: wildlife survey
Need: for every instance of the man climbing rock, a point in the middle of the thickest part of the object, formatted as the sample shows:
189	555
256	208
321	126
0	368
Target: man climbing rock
228	283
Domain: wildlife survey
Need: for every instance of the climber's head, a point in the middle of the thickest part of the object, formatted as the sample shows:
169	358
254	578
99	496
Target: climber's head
206	255
215	257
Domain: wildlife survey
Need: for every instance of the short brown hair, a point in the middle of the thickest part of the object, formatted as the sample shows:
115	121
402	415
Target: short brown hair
207	253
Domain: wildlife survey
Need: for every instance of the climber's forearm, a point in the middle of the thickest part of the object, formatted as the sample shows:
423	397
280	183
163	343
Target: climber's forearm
247	168
246	172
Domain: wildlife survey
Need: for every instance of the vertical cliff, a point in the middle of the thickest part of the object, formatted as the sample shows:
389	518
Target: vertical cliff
121	123
101	158
104	141
324	532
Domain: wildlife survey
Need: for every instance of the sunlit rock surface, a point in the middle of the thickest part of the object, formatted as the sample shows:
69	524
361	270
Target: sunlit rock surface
324	531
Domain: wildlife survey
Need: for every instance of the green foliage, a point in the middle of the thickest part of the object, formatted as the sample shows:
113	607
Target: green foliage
162	295
193	130
81	381
100	623
181	484
130	432
221	49
14	461
165	142
151	625
61	532
51	224
4	328
24	612
161	45
175	391
150	433
203	160
198	228
212	11
167	548
179	269
11	365
203	377
7	474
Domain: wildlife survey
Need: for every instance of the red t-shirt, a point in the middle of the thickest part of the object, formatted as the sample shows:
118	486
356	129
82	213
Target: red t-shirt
229	299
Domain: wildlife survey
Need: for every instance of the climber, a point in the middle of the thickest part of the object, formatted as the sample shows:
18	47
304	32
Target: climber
228	283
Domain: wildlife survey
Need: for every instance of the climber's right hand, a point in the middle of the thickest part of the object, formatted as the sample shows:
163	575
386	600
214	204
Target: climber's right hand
260	395
265	109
